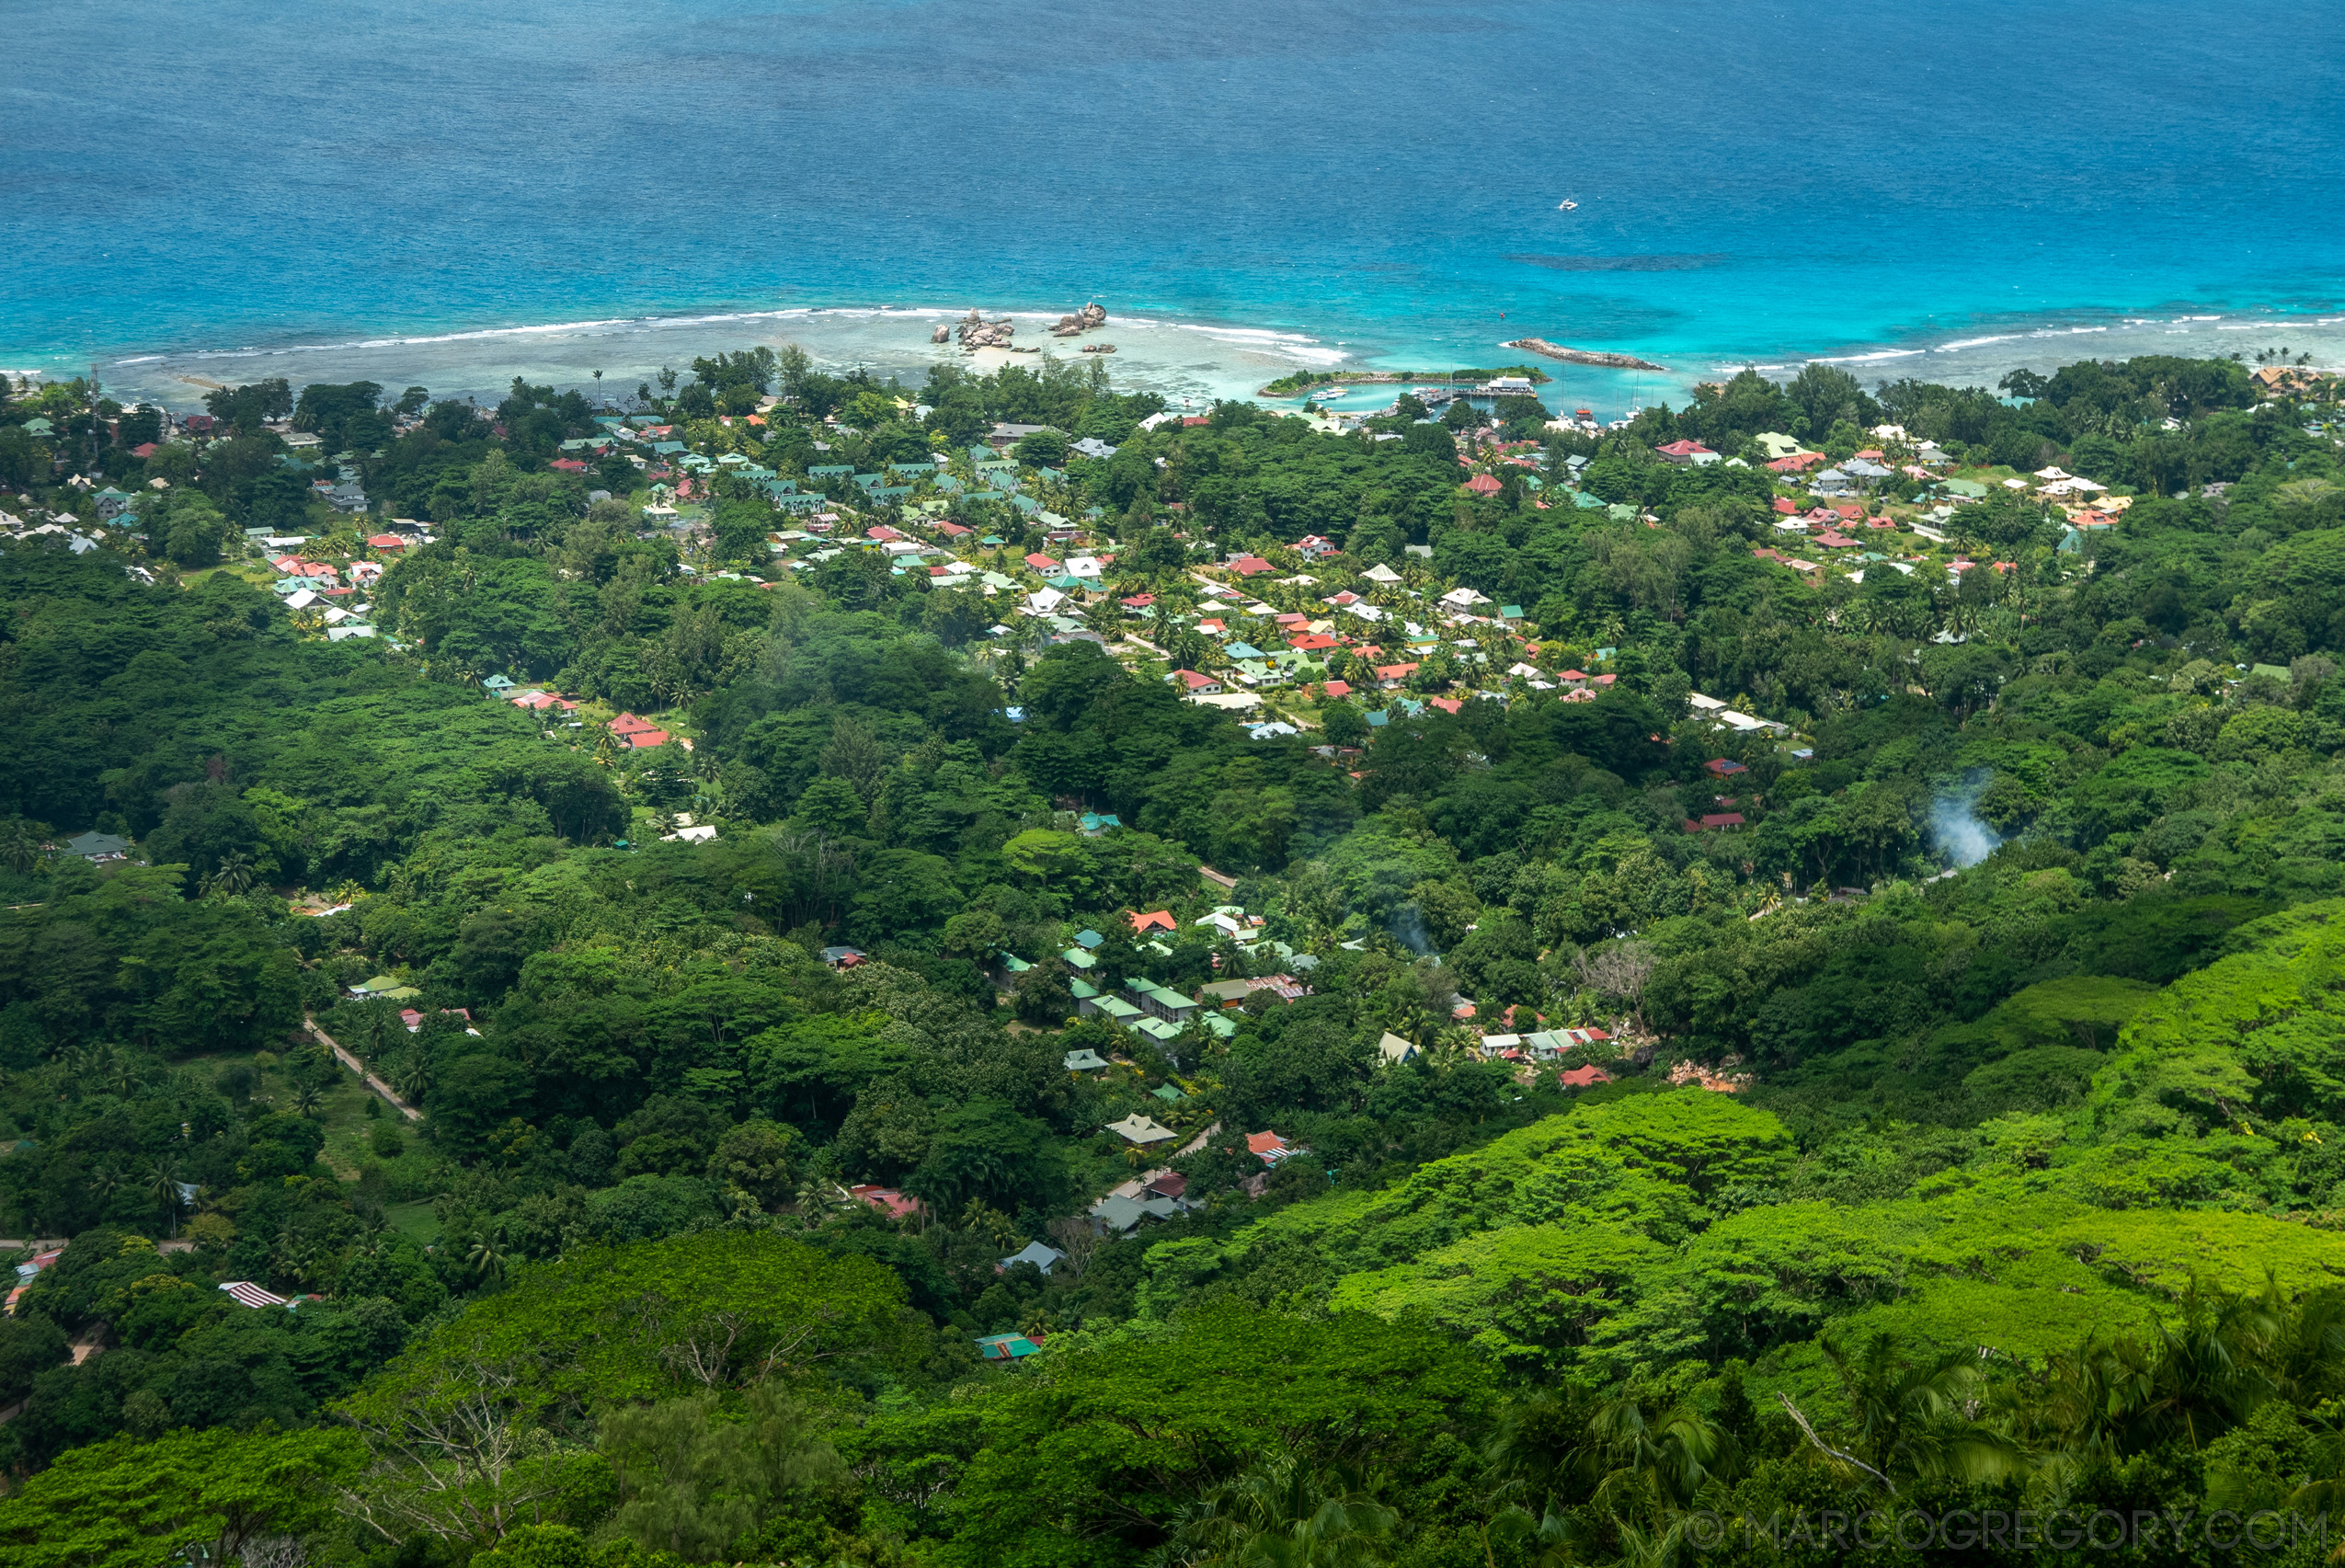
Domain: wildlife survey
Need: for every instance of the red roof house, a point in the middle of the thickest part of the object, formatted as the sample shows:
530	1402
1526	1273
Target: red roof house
887	1200
1268	1146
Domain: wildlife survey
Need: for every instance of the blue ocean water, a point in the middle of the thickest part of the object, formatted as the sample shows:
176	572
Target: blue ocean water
1751	181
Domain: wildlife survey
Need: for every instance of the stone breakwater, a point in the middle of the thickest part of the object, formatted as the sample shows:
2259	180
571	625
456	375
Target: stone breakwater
1584	356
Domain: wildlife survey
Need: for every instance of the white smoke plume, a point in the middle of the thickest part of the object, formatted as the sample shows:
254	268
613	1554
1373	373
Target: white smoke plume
1956	829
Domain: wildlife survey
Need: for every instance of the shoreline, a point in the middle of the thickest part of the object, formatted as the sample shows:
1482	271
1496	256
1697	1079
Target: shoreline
1192	359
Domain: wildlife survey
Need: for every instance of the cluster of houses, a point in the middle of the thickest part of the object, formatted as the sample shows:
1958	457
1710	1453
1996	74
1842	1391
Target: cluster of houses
1848	536
1383	646
1143	1007
333	592
899	511
63	526
627	730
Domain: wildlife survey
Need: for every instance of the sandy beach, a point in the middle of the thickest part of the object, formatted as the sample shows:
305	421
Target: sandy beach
1193	363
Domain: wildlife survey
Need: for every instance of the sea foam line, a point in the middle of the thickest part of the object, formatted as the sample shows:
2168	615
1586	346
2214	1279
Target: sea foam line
1299	345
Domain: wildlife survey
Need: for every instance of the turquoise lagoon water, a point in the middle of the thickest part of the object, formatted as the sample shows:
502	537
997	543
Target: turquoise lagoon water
455	193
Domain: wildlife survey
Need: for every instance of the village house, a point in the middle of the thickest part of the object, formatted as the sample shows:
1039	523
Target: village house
1686	454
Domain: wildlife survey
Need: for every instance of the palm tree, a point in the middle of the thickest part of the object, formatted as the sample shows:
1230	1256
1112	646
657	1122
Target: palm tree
1550	1541
106	1181
307	1098
414	1079
2304	1352
163	1183
1414	1021
987	1220
2198	1378
488	1252
816	1198
1539	1441
20	845
232	876
1918	1418
1187	646
101	1066
1106	618
297	1258
1283	1513
1654	1468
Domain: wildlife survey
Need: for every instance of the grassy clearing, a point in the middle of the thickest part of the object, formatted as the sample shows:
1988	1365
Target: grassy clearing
417	1171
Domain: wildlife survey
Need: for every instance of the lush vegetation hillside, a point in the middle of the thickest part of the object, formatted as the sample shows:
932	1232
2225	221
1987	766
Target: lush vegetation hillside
1955	1118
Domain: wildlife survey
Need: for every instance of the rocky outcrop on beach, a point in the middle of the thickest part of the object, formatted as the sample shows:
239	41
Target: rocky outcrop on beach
975	332
1583	355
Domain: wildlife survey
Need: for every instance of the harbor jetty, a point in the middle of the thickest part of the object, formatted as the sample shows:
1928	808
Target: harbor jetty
1583	355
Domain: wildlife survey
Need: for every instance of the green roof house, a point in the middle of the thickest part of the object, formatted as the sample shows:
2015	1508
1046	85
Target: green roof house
1006	1347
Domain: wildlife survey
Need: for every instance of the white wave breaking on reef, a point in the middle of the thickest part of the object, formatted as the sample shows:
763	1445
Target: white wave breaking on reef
1184	358
1187	359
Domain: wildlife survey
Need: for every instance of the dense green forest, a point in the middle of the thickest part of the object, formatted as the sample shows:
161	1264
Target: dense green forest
1970	1132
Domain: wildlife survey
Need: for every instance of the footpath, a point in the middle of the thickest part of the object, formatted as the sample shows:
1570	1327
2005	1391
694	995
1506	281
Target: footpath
352	1062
